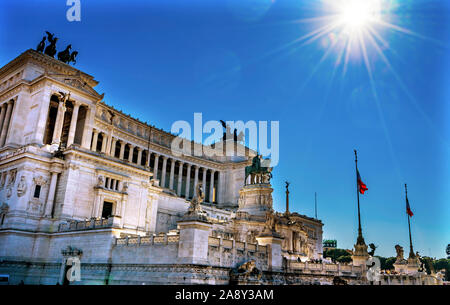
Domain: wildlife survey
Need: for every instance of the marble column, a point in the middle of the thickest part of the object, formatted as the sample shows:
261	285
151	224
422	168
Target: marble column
2	116
195	177
163	174
188	179
112	151
204	180
219	188
51	194
172	173
85	135
5	125
58	124
139	157
122	149
211	186
104	142
147	162
180	177
130	155
94	140
73	123
155	167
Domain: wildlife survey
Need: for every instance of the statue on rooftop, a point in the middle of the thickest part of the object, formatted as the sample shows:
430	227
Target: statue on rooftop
41	45
50	50
258	173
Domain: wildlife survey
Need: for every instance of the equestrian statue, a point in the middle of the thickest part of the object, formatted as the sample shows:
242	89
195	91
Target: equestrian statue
258	173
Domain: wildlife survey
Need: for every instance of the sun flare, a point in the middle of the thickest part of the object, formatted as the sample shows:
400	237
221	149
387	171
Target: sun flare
357	14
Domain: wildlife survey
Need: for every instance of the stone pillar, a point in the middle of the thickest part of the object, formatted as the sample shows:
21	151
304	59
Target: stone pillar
73	123
139	158
147	161
94	140
51	194
195	177
109	142
180	177
155	167
193	244
2	116
122	149
163	174
172	173
204	180
112	151
104	142
211	186
56	140
188	179
219	188
130	155
85	139
5	124
273	244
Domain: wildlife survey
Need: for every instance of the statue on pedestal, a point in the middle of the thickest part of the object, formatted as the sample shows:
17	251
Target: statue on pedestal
258	174
195	209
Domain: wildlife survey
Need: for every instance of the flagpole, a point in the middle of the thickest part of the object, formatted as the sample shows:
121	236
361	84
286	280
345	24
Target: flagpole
315	203
360	239
411	251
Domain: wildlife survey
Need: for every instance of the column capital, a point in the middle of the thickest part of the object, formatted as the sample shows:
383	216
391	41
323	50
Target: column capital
164	157
180	162
138	148
76	103
131	145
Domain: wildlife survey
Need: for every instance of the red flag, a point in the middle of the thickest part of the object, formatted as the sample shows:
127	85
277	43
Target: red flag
361	186
408	208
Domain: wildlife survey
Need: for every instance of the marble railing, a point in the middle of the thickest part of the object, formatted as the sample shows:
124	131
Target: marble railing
93	223
231	244
324	268
161	239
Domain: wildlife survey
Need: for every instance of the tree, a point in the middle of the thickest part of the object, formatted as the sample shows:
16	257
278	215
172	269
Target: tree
448	251
344	259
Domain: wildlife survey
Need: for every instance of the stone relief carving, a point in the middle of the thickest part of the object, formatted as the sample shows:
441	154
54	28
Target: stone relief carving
34	206
39	180
12	176
22	186
125	187
100	181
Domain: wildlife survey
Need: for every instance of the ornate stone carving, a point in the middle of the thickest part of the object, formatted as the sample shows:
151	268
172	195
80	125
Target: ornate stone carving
195	209
100	181
22	186
35	206
39	180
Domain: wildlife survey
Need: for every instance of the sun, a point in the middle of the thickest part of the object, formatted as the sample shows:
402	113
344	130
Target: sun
358	14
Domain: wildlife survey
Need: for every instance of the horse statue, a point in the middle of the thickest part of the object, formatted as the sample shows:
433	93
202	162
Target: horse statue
256	170
50	50
64	56
72	57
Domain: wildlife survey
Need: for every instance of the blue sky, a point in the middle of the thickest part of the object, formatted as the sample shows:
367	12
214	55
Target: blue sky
237	60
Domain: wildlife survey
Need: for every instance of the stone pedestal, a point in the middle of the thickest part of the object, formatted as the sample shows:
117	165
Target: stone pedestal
255	199
273	243
360	255
413	265
193	244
